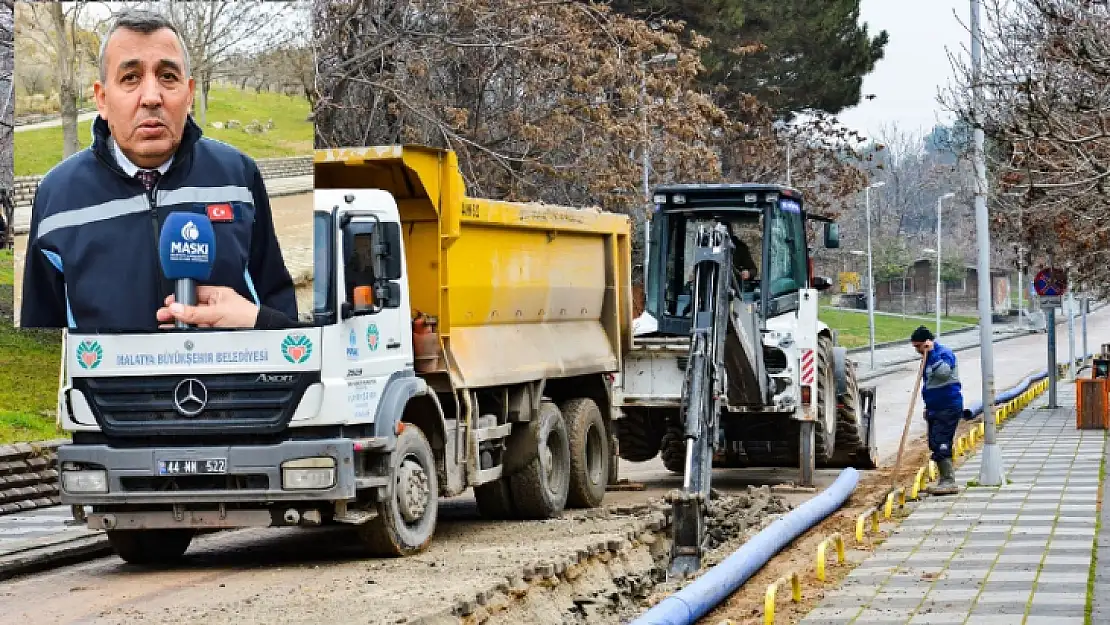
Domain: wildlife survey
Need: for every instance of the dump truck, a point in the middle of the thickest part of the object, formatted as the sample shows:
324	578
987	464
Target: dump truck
455	343
730	365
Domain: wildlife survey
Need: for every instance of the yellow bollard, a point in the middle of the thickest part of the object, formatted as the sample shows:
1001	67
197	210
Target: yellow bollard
932	470
822	548
888	509
918	483
870	512
769	598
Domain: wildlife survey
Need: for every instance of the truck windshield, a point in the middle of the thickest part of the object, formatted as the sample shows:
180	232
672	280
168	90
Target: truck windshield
786	272
323	244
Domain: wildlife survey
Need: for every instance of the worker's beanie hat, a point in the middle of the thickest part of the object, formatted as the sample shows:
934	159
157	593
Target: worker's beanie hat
921	334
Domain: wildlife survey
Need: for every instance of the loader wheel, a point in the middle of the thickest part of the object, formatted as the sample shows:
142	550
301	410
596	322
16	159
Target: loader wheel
150	547
674	450
589	453
638	436
852	450
407	513
825	431
539	490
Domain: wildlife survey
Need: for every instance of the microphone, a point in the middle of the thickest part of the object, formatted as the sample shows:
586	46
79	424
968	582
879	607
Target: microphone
187	250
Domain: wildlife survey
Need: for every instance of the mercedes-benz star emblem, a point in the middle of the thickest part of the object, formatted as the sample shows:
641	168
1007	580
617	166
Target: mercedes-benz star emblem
190	396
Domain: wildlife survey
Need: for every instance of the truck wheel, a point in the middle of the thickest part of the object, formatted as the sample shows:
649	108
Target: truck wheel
825	430
540	489
589	453
638	438
495	500
407	516
674	450
150	547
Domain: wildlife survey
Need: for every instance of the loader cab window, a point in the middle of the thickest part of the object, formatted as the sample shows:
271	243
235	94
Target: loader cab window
786	253
679	258
679	264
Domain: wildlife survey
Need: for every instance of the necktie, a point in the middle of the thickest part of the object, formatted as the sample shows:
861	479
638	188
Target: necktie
148	177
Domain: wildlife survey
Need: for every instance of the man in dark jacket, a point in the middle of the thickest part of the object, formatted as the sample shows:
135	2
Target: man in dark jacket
944	405
92	260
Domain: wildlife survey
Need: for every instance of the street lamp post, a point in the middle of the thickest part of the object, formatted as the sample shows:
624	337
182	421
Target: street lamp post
990	468
870	273
940	200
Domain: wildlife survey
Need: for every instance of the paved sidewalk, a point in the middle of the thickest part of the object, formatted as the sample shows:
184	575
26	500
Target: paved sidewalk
1018	554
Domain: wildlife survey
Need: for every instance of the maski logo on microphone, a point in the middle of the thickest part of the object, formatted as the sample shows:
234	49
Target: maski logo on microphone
189	231
189	250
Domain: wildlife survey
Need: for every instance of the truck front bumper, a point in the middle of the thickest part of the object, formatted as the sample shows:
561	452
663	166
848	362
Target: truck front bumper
245	474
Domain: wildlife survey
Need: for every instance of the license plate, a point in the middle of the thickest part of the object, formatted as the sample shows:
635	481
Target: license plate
192	467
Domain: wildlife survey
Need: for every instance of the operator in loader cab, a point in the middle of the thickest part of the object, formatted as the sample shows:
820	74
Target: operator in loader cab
944	405
92	260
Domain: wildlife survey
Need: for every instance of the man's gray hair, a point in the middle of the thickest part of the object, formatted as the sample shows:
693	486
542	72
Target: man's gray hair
141	21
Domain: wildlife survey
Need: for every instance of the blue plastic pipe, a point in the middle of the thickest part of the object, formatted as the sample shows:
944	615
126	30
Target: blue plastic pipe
703	594
975	409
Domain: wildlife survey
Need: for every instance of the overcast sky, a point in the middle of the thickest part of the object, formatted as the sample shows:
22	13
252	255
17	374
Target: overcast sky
907	80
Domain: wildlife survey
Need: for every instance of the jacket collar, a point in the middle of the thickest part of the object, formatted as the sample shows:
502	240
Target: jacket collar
102	143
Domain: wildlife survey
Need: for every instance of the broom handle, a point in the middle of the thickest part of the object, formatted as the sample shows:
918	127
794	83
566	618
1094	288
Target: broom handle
909	417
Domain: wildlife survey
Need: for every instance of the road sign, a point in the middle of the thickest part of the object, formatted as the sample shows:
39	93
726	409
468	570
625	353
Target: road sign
1050	282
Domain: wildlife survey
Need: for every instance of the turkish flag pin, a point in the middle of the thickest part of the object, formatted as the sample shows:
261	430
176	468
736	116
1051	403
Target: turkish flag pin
220	212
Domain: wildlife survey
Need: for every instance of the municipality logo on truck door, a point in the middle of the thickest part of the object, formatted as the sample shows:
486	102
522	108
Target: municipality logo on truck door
296	348
89	354
372	337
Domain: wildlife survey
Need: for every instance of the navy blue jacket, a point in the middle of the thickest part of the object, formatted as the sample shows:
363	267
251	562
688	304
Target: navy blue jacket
92	254
942	390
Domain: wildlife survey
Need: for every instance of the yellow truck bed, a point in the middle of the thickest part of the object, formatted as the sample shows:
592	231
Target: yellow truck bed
522	291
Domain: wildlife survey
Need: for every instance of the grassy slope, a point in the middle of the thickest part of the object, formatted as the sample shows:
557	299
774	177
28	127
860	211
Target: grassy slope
28	372
853	328
36	151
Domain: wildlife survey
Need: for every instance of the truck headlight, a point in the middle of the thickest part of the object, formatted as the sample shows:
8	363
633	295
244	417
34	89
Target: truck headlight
89	481
308	473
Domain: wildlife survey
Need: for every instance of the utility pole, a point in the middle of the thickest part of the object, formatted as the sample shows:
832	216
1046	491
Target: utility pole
1086	303
990	468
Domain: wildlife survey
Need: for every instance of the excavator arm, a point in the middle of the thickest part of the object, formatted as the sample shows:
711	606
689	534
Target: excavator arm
704	389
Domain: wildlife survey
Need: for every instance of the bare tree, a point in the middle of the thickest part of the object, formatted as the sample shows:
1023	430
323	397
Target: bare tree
54	29
7	117
1046	115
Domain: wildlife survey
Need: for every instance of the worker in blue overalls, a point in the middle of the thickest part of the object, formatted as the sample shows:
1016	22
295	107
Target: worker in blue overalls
944	405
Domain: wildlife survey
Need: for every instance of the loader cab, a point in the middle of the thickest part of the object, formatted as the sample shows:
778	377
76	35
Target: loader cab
768	228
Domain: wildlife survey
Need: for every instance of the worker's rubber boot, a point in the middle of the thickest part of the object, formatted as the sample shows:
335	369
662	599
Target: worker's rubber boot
946	485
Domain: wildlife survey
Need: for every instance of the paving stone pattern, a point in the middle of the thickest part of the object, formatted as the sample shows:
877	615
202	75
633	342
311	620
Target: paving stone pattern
1018	554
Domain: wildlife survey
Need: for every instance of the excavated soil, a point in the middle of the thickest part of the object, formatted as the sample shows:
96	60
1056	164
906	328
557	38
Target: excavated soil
617	586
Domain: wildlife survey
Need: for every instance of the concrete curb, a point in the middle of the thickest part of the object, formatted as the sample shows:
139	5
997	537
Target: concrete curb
37	558
894	367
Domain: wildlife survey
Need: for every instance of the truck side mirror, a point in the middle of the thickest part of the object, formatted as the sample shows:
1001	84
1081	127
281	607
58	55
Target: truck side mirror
832	236
391	250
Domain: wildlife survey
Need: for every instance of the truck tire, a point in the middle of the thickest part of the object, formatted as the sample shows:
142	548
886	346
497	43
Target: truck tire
407	515
852	449
824	433
589	453
539	490
495	500
674	450
638	438
150	547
